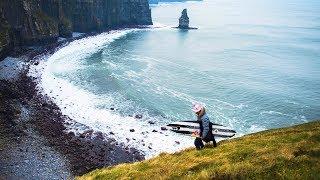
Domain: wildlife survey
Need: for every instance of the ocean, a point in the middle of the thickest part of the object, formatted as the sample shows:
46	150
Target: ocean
253	63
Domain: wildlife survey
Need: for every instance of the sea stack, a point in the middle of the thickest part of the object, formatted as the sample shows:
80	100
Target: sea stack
184	20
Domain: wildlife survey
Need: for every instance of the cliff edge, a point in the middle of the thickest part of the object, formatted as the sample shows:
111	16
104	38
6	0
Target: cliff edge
285	153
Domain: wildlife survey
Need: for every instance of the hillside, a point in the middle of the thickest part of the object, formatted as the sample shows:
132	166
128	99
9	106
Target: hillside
286	153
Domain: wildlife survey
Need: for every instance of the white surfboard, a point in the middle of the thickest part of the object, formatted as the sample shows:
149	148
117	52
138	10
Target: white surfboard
188	127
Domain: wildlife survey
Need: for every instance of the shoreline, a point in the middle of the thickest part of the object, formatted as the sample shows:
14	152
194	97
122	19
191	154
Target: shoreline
90	150
135	128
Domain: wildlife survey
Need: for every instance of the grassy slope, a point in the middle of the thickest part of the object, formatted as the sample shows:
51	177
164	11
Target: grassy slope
287	153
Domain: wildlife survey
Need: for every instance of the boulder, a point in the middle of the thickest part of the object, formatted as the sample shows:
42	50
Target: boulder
138	116
164	128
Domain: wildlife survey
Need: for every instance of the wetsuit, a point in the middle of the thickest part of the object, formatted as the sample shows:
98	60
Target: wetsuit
205	131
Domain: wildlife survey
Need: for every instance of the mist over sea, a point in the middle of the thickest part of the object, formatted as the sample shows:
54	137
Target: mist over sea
253	63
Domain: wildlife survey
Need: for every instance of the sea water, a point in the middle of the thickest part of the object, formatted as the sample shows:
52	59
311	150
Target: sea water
253	63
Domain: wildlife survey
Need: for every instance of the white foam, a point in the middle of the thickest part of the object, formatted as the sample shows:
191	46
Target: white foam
83	110
276	113
83	106
77	34
255	128
60	39
159	25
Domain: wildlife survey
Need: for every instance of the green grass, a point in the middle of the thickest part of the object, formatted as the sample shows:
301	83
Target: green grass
286	153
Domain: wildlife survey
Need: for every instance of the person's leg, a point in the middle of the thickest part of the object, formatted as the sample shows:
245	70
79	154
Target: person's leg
214	142
201	143
198	143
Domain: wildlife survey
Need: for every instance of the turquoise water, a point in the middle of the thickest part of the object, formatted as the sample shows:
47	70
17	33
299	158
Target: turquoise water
253	63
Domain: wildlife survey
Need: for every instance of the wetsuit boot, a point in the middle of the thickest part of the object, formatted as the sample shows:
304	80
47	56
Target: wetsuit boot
198	143
214	142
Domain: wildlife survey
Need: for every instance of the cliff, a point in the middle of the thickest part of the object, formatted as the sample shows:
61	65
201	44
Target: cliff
29	22
285	153
168	1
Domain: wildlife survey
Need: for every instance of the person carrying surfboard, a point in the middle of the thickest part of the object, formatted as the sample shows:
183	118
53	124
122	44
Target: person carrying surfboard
205	133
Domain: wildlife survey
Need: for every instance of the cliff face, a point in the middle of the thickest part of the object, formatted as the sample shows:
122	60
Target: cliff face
92	15
26	22
158	1
5	41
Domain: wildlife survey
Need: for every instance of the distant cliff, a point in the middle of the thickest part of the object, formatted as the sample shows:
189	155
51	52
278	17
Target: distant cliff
167	1
28	22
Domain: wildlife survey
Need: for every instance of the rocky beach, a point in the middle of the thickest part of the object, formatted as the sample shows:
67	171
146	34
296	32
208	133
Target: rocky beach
33	131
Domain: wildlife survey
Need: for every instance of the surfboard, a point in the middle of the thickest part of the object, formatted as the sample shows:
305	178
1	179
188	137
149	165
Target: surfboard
188	127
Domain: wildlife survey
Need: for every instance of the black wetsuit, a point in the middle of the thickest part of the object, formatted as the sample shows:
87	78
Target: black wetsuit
209	136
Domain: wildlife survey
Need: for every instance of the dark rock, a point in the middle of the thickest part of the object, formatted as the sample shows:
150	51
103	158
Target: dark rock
66	123
112	133
138	116
87	133
99	135
163	116
164	128
184	20
154	130
36	63
151	122
65	27
177	142
112	108
132	130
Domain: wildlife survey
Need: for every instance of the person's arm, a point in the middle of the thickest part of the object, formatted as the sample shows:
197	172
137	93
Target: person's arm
205	125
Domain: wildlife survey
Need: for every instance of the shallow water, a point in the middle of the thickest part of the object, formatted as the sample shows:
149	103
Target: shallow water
254	64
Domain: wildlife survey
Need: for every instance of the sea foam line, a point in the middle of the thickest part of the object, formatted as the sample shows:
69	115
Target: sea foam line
80	105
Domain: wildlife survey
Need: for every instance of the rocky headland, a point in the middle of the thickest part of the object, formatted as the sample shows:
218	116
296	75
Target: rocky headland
167	1
36	22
